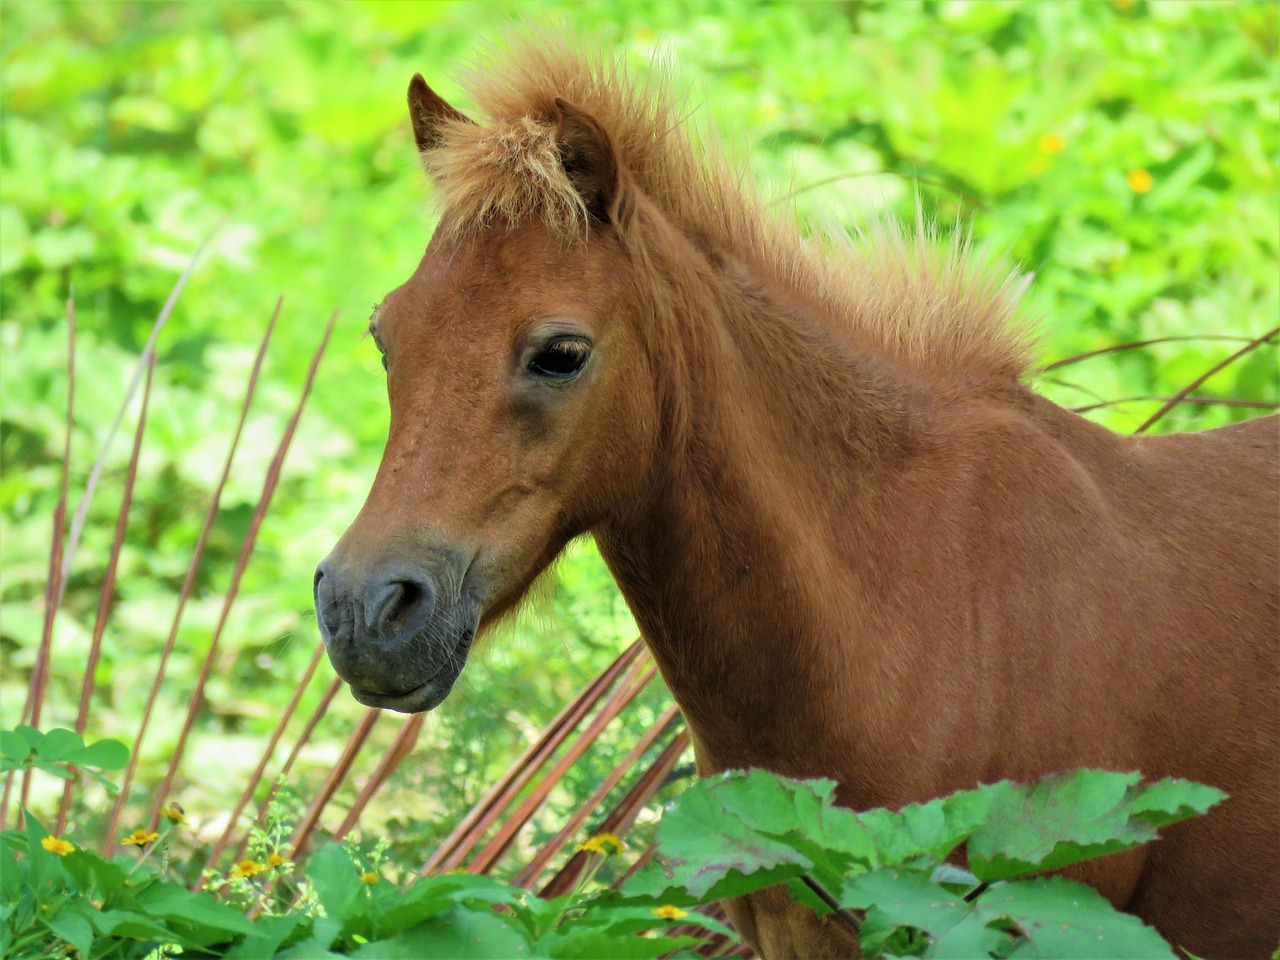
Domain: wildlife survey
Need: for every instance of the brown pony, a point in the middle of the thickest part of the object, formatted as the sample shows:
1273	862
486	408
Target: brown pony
858	546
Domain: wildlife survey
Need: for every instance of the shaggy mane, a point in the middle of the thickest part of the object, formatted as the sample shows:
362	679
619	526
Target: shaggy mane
932	305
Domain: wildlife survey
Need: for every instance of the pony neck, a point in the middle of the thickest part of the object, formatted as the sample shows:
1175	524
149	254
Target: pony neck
777	429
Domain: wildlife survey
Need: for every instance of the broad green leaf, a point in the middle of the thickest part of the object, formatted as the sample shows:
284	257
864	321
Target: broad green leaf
14	746
739	831
1060	820
72	926
104	754
932	829
458	933
269	934
337	881
590	944
1067	920
170	902
906	898
1169	801
433	895
60	745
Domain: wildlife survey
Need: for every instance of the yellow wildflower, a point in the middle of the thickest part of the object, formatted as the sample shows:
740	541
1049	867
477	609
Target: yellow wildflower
369	877
140	838
57	845
246	868
669	912
601	842
1140	181
1051	143
274	860
173	811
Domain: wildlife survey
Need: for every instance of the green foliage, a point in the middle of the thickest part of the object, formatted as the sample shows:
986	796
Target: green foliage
25	747
725	836
741	832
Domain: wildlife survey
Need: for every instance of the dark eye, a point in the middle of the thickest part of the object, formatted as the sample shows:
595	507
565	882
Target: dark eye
560	359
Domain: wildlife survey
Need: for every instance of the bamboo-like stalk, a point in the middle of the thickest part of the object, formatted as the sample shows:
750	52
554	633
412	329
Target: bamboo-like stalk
1135	344
311	818
534	868
1182	394
303	739
626	691
107	594
31	709
242	562
476	823
113	821
82	508
1196	401
395	755
620	819
256	778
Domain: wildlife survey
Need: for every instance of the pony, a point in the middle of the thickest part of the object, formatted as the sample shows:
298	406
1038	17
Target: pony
858	544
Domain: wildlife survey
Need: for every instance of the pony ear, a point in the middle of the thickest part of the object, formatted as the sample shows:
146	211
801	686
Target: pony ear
429	112
590	162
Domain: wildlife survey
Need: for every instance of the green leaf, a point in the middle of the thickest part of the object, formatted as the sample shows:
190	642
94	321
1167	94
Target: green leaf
1169	801
337	882
105	755
459	933
433	895
1064	919
1060	820
906	898
14	746
60	745
580	944
167	901
742	831
110	786
74	927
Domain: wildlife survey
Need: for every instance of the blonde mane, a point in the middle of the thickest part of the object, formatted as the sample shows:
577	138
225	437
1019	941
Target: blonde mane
934	305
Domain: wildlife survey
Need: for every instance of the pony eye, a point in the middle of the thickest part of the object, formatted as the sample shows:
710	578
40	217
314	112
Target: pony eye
560	359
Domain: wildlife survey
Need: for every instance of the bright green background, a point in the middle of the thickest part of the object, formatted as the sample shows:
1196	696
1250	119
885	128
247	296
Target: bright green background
131	130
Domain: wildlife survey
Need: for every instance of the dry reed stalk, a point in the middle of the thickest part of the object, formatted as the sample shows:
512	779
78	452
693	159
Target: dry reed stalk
113	822
1118	347
107	594
311	818
1198	401
303	739
148	350
256	778
505	835
32	708
533	870
620	819
395	755
1182	394
242	562
475	824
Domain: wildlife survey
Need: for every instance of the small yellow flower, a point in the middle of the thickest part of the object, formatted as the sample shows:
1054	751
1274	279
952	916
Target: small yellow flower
173	811
246	868
274	860
369	877
1140	181
1051	143
57	845
140	838
601	842
1122	4
669	912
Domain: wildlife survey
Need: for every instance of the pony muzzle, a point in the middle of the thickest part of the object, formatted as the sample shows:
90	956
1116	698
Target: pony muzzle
392	634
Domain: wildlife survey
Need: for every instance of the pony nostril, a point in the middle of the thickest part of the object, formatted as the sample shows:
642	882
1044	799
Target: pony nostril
398	606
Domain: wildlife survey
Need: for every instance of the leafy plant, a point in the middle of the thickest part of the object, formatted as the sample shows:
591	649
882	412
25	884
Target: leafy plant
57	751
741	832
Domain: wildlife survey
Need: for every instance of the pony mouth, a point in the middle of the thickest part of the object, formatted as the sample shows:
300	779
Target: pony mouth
426	696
